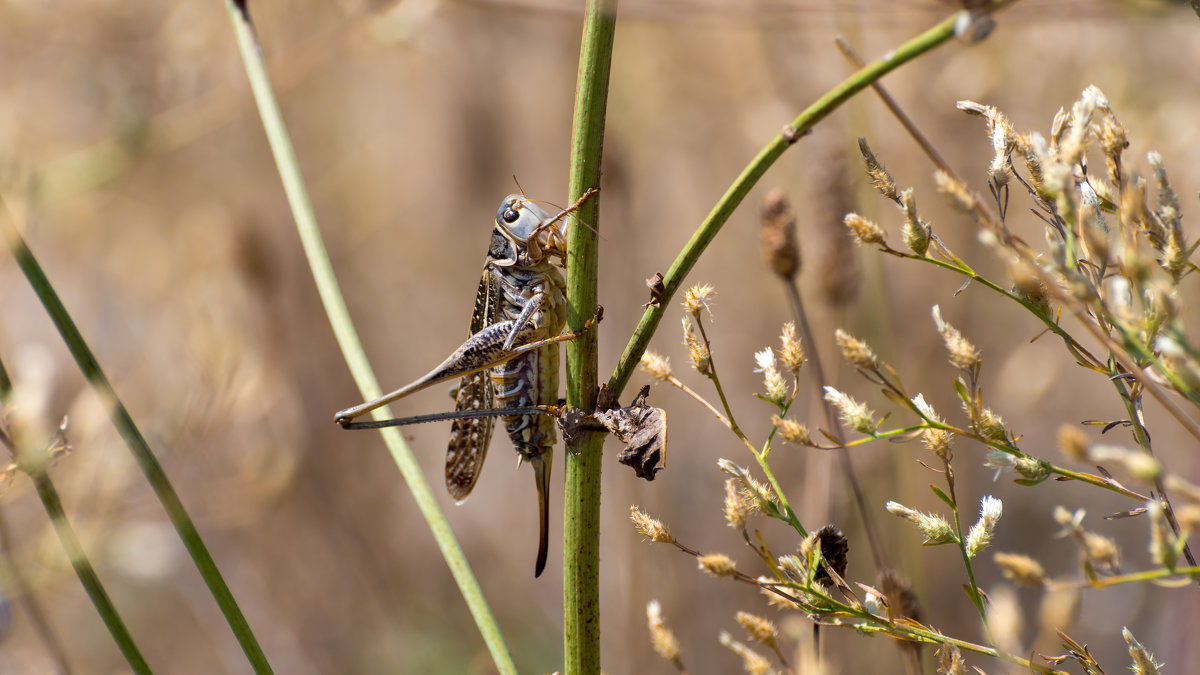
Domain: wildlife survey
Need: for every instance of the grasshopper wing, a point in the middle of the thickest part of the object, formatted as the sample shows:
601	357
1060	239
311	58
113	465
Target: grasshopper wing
469	438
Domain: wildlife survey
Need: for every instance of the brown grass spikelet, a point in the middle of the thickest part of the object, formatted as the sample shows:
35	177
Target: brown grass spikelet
651	528
855	351
1021	569
898	591
661	637
1073	442
759	629
914	231
864	232
881	180
1100	550
1143	660
955	191
791	351
835	550
937	440
752	662
963	354
697	297
792	432
697	351
950	661
737	508
656	365
717	564
777	235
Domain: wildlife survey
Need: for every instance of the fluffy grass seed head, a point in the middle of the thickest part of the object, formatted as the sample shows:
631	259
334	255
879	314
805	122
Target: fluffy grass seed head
864	232
1163	545
963	354
950	661
1021	569
881	180
661	638
915	231
651	528
990	510
937	440
855	415
759	629
956	191
737	507
752	662
1073	442
855	351
935	529
696	299
791	351
657	365
717	564
792	432
777	235
697	350
1143	660
759	495
773	383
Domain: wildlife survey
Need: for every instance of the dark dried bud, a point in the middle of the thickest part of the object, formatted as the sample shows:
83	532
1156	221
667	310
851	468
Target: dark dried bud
777	235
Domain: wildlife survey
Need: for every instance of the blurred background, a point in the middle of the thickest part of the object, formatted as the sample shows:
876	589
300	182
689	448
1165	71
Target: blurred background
132	156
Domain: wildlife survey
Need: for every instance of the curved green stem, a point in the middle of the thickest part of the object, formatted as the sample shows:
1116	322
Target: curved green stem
673	279
347	337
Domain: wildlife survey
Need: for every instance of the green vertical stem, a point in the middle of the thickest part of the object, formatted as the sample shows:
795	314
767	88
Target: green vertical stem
87	574
581	519
138	447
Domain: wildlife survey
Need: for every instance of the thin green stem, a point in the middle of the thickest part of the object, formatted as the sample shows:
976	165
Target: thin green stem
581	518
716	219
87	574
347	337
138	447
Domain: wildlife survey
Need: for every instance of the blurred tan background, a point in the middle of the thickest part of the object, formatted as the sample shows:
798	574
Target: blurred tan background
134	159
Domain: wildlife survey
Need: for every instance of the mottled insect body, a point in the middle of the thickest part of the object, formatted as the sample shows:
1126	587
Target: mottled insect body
511	357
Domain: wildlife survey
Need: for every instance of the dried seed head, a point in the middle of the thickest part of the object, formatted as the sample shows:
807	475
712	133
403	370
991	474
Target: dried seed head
991	426
717	564
657	365
881	180
915	231
753	662
697	350
1113	142
934	528
1168	202
898	591
1021	569
791	431
963	354
1073	442
773	384
758	494
955	191
1100	550
696	299
835	549
760	630
661	637
737	507
855	415
1183	489
791	352
980	536
1143	660
864	232
855	351
937	440
777	235
950	661
651	528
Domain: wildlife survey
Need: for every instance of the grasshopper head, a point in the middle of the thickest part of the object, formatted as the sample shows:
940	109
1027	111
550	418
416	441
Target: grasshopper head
520	217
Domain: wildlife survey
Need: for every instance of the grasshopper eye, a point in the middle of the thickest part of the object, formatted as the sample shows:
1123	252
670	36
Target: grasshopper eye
510	215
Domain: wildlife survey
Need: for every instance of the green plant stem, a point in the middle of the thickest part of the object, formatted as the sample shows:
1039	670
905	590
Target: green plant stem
138	447
87	574
716	219
581	509
347	337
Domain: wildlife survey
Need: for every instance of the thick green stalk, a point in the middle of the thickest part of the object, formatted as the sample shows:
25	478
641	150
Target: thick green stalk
347	337
749	177
138	447
581	519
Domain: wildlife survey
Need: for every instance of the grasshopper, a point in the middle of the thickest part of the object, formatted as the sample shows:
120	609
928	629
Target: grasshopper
510	359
